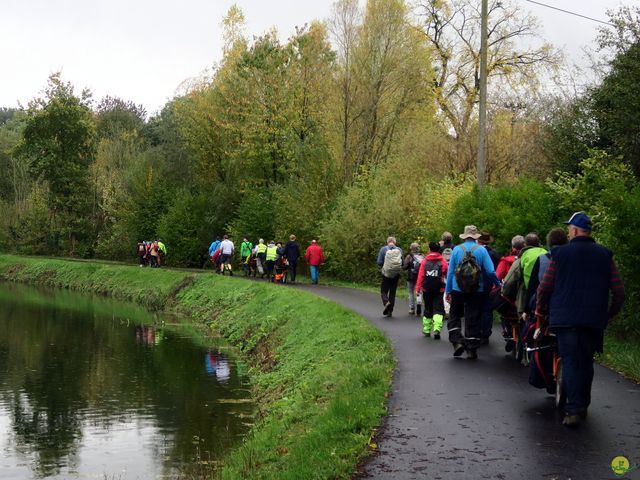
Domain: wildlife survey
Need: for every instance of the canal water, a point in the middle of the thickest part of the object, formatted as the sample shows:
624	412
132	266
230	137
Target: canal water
91	388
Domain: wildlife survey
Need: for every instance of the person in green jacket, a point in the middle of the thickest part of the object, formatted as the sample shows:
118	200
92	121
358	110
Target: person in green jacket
272	255
245	253
529	255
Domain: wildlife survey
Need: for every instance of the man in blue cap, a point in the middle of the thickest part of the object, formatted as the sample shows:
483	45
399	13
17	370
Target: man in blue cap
574	295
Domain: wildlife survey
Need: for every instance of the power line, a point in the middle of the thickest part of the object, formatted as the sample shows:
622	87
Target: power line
571	13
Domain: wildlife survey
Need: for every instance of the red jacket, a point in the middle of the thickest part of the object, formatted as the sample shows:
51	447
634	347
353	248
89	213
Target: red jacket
505	264
314	255
431	256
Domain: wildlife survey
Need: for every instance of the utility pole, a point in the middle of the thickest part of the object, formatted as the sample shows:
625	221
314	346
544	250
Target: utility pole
482	121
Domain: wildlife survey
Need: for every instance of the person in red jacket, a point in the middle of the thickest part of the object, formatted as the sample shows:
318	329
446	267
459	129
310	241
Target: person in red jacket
508	312
314	257
431	282
517	244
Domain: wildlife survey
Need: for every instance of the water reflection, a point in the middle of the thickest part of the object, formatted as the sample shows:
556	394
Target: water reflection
87	390
217	365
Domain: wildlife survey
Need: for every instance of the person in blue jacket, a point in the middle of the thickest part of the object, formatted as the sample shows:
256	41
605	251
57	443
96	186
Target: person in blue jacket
464	303
214	246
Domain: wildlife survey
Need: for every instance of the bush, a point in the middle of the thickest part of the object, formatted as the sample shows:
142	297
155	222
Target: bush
382	202
507	210
186	229
254	217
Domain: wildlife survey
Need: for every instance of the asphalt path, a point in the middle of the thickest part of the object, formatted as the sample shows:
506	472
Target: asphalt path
476	419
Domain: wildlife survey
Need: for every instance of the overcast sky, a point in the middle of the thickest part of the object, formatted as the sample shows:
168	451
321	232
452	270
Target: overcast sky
142	50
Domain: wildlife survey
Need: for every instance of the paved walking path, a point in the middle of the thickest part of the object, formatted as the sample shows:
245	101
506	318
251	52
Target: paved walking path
463	419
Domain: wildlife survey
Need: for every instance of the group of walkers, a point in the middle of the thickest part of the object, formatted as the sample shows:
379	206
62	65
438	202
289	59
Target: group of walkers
273	261
151	253
563	296
569	293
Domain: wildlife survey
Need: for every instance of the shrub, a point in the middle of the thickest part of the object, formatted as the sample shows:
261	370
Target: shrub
507	210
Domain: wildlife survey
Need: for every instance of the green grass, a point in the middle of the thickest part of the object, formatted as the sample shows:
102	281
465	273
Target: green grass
320	373
622	356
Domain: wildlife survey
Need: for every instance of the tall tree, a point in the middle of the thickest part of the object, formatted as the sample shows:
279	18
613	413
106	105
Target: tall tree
452	28
344	26
623	31
384	76
616	107
59	143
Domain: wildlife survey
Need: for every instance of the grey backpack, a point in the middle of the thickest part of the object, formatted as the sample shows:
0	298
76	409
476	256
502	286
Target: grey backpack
392	263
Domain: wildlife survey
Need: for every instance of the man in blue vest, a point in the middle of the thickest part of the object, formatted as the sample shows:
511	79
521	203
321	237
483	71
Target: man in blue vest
574	294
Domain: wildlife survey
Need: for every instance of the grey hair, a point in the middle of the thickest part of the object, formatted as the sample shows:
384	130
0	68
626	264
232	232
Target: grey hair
532	240
414	247
517	242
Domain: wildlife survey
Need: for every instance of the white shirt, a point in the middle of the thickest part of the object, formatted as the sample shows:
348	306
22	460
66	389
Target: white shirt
226	247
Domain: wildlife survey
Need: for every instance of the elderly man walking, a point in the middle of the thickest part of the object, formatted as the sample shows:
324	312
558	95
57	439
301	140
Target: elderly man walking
470	265
574	295
390	261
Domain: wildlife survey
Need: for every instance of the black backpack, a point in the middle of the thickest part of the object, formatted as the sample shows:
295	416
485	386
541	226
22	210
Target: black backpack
468	271
432	281
414	268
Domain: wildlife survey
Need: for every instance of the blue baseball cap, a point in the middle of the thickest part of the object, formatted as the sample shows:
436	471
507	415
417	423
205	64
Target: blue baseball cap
580	220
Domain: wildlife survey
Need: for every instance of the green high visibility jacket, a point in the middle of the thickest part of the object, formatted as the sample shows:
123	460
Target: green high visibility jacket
162	247
528	259
245	249
272	253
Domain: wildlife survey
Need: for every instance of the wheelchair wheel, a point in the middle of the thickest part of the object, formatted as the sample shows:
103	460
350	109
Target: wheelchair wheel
561	396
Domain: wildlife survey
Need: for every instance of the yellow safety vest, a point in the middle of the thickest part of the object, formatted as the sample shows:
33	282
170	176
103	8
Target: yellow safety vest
272	253
261	248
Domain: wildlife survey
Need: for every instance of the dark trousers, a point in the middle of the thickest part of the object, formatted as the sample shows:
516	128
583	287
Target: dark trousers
486	316
269	264
469	306
433	304
293	270
245	265
388	289
576	347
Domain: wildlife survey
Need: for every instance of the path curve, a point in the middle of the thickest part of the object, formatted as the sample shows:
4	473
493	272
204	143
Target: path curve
456	418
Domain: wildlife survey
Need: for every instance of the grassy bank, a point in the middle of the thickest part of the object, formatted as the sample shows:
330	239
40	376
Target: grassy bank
622	356
320	373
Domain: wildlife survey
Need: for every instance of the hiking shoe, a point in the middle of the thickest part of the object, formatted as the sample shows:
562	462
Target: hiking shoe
436	335
458	348
509	346
388	315
472	354
412	312
571	420
387	309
